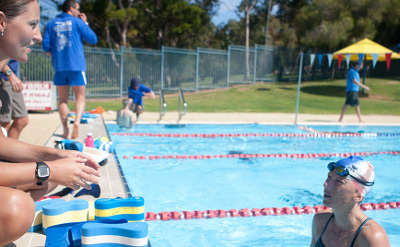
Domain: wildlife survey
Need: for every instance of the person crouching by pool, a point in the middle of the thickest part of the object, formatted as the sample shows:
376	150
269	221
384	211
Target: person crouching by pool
349	180
136	92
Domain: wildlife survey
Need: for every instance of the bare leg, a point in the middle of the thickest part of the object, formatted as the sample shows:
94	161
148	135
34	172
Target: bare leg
80	105
343	112
17	211
357	108
63	108
17	126
139	111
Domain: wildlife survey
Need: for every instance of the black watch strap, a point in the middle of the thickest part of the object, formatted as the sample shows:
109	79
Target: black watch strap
42	172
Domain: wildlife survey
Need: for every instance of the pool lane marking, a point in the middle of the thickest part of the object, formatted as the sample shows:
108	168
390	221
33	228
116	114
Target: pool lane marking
251	156
223	135
207	214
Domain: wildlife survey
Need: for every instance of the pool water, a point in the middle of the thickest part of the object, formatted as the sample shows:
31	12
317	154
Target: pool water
234	183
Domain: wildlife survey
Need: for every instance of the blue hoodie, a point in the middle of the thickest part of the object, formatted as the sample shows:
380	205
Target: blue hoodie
63	37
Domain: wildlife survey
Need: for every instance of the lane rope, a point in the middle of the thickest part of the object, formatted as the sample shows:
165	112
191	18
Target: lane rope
208	214
248	156
224	135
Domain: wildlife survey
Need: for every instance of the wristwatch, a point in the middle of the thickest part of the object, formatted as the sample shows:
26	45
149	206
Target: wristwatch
42	172
8	72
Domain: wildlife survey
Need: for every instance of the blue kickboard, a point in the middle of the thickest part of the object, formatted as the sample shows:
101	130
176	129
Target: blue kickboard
84	115
131	208
71	211
72	145
115	235
37	222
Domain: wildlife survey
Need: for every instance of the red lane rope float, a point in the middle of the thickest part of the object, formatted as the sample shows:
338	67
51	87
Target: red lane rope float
248	156
208	214
299	135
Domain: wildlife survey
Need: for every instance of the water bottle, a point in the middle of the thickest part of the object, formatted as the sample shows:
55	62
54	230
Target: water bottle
89	140
58	144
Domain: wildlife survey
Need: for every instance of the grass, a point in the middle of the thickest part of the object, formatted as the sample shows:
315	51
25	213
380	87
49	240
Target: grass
323	97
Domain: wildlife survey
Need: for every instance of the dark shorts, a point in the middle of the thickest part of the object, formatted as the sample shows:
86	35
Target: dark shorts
137	108
352	98
13	103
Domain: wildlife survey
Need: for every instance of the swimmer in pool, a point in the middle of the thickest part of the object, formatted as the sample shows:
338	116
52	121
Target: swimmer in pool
311	130
344	224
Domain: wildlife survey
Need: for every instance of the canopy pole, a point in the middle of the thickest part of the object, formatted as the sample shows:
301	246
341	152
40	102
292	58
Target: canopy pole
364	71
298	86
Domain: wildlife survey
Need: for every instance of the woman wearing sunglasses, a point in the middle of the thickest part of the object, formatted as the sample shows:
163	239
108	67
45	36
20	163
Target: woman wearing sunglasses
344	224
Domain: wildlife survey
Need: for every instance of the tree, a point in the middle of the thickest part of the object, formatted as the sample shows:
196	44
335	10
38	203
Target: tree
247	6
171	23
210	6
329	24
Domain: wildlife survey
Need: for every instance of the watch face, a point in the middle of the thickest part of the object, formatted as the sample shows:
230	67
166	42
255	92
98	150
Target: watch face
43	172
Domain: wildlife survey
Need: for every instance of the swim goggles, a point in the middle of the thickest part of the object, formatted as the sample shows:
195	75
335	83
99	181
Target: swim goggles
344	172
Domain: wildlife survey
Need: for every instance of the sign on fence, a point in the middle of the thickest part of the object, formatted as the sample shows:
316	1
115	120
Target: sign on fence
39	95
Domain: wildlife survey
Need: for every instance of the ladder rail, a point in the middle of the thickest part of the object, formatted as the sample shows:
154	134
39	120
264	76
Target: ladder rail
181	98
162	104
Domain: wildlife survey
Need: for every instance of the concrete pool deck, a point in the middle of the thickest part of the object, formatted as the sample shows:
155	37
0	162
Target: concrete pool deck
44	128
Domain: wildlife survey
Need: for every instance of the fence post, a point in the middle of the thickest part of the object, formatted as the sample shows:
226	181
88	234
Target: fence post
197	67
162	67
255	64
228	67
298	86
121	84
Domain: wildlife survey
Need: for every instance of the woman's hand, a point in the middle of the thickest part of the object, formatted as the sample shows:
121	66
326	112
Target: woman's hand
73	173
76	154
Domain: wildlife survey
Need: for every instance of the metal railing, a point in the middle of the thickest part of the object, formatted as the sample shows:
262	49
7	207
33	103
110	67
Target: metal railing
184	105
109	71
162	104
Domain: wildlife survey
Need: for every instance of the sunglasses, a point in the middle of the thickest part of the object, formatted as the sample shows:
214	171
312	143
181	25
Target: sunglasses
344	172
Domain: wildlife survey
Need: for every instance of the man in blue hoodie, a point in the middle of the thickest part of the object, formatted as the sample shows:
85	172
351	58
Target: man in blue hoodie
136	92
63	40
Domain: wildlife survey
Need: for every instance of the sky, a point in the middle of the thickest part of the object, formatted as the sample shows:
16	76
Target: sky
226	12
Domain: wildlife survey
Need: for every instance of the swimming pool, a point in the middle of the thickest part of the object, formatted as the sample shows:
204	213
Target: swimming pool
179	168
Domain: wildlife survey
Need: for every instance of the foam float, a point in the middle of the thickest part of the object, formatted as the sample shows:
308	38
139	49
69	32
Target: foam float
68	212
98	155
104	235
131	208
37	221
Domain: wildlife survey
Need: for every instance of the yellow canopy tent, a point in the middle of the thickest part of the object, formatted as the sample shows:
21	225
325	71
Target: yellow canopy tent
364	46
369	48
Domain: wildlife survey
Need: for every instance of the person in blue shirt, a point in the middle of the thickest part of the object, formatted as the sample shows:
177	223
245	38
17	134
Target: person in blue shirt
136	92
13	108
352	87
63	40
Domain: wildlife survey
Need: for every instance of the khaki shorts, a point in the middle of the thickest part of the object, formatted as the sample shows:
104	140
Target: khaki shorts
13	104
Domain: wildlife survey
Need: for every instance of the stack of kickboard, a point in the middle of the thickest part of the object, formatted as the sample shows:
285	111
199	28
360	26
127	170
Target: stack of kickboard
120	222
